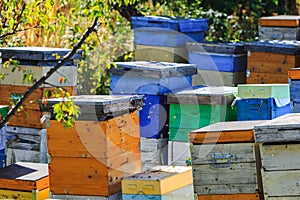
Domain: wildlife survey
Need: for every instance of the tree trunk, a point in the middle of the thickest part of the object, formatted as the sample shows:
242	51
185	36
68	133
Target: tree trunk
292	7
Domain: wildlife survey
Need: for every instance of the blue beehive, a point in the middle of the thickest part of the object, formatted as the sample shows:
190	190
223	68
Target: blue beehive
152	79
261	108
223	57
168	31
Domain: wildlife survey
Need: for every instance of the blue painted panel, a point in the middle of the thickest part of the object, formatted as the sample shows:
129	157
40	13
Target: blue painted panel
295	90
295	107
124	84
165	37
218	62
260	109
172	23
2	158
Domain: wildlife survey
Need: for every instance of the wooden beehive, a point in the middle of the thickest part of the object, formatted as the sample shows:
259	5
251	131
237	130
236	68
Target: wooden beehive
269	61
24	180
294	83
36	61
167	31
102	147
153	80
221	152
281	27
160	183
279	148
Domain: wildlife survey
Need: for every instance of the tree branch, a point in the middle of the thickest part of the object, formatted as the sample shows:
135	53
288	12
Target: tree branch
60	63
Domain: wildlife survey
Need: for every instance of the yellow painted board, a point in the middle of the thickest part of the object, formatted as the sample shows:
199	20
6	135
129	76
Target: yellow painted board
158	181
25	195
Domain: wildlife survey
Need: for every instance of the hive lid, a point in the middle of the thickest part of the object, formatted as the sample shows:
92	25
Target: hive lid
263	91
153	69
173	23
280	21
284	122
100	107
204	95
217	47
290	47
36	53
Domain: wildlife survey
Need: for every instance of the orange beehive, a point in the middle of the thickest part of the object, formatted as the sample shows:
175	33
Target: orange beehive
102	147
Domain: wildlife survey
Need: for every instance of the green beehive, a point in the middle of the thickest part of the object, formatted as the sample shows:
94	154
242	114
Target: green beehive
3	111
263	91
196	108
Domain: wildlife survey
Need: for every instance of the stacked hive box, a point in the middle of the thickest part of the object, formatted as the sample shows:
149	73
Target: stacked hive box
262	101
163	38
269	61
153	80
224	161
160	183
218	63
192	109
90	158
24	181
33	62
280	150
294	83
3	113
282	27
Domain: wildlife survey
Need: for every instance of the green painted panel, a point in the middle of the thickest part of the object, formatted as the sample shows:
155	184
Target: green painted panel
3	111
179	134
197	116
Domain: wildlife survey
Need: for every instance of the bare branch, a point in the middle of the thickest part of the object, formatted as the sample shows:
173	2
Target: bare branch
60	63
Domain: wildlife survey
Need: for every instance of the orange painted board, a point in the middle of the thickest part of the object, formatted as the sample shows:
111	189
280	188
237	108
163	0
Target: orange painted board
280	20
94	139
266	78
225	132
294	73
84	176
24	176
229	197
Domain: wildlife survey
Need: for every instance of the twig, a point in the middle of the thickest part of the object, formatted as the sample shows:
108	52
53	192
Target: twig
60	63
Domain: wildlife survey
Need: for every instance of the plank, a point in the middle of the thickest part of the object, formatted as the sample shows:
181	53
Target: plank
229	197
117	196
281	183
280	20
35	194
206	175
241	152
226	189
263	91
266	78
21	155
278	33
294	73
280	157
178	153
208	77
160	54
151	144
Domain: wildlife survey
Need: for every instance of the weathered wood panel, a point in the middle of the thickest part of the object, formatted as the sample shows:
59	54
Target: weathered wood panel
117	196
241	152
178	153
281	183
266	78
226	189
215	78
161	54
229	197
22	155
278	33
280	157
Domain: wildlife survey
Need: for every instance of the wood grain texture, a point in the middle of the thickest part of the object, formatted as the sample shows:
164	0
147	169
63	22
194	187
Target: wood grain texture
280	157
266	78
34	194
226	189
229	197
280	20
294	73
85	176
278	33
95	139
241	152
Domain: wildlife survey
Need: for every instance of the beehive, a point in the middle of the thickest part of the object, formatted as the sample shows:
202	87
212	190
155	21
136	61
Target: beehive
269	61
221	152
281	27
193	109
161	183
24	180
35	62
279	148
167	31
294	83
153	80
90	158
